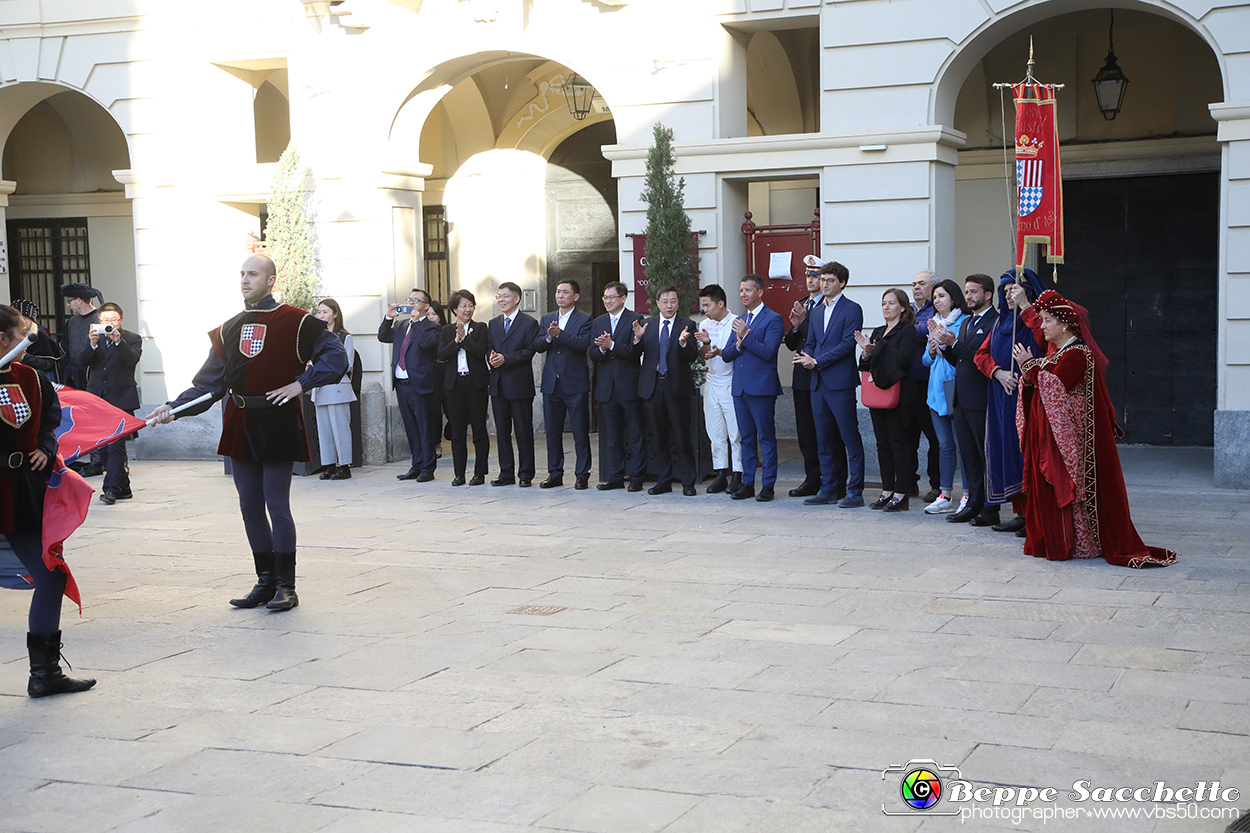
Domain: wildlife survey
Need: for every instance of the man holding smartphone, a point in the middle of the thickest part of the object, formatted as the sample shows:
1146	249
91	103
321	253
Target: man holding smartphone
416	379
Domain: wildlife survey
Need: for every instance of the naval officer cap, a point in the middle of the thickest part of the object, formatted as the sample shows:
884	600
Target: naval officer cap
813	264
80	290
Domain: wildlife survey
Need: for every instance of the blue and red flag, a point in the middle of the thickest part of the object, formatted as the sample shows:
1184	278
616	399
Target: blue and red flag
88	423
65	507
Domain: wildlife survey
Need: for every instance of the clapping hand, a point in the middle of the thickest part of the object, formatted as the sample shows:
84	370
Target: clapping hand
798	312
639	329
553	330
863	341
805	360
703	336
1021	354
496	359
604	341
460	331
740	330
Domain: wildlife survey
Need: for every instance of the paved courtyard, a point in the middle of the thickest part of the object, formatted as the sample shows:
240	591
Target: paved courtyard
685	664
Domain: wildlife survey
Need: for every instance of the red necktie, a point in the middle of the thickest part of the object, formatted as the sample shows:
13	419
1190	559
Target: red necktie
403	351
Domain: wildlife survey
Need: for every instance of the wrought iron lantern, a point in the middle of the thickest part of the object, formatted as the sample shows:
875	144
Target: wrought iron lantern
1110	82
579	94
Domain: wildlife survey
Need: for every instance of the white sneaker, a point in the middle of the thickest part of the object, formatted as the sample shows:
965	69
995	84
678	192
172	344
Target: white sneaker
940	506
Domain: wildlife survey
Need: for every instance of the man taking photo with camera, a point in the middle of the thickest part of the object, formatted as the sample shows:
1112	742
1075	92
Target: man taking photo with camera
111	361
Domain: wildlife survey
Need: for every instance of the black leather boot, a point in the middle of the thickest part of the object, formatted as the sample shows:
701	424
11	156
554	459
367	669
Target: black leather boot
735	482
266	582
285	598
45	667
720	484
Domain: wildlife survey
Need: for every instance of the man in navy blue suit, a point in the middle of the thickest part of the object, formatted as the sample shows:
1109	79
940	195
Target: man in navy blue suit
416	378
756	386
564	335
666	385
616	391
801	388
511	335
830	356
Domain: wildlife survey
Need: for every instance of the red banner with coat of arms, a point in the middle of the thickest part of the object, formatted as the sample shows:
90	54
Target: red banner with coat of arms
1039	177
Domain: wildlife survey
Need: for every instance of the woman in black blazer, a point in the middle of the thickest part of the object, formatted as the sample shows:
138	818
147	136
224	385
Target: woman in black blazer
462	348
888	354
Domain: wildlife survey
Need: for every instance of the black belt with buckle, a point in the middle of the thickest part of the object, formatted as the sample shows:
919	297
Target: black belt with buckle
401	381
661	375
242	401
15	460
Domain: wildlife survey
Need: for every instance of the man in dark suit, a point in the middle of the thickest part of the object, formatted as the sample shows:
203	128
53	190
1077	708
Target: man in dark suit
666	385
416	377
462	349
564	335
83	314
830	356
511	335
756	386
801	389
616	391
110	365
971	397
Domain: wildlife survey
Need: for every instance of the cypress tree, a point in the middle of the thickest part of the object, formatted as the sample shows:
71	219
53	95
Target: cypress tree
671	253
287	233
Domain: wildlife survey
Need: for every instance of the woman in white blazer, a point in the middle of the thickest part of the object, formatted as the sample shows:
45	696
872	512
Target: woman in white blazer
334	415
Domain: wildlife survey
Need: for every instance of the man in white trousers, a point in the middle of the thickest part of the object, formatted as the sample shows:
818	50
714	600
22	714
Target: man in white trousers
718	401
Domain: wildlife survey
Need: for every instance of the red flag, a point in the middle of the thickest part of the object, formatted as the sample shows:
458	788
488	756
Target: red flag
88	422
65	507
1038	174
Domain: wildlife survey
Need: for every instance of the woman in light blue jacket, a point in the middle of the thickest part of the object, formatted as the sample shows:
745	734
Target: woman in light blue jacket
949	308
334	409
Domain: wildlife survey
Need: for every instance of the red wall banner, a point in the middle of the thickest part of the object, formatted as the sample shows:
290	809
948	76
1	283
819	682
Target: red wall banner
1039	177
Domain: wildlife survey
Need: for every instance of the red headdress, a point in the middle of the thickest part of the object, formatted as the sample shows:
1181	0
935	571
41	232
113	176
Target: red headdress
1074	315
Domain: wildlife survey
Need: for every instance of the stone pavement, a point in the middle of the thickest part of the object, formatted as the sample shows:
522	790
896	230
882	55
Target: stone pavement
710	665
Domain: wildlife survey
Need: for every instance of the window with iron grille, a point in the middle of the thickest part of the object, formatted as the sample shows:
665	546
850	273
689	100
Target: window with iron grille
44	255
437	267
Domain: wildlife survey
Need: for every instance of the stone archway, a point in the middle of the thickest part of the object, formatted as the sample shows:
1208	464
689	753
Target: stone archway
67	217
1141	195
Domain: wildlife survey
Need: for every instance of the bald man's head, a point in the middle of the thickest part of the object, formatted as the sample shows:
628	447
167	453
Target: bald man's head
257	278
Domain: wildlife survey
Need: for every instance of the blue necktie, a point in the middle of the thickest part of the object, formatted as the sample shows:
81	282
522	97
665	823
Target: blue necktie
664	348
507	324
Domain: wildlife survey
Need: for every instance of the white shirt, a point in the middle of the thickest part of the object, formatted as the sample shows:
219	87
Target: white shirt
563	320
720	373
462	358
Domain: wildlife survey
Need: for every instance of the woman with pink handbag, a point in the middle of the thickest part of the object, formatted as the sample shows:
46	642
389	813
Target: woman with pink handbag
884	364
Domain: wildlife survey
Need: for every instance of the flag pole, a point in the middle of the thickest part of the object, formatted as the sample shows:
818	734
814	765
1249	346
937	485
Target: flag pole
205	398
12	354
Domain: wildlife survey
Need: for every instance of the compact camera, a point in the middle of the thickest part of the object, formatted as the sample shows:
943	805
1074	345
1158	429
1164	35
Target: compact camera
103	329
404	309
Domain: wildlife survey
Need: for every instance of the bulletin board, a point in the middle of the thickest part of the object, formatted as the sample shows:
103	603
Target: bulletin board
779	250
642	300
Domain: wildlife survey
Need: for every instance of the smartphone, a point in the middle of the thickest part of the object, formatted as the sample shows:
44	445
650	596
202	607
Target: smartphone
404	309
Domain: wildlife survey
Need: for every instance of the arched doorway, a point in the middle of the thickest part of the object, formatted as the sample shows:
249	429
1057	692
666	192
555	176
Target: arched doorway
1141	197
67	219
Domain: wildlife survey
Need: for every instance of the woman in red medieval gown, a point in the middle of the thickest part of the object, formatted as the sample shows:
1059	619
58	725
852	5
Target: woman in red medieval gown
1077	503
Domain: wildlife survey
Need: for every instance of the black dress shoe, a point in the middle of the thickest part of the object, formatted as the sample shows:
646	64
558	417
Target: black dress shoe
411	474
735	482
477	480
524	484
961	517
1022	533
108	498
610	485
820	499
746	492
582	483
881	502
660	489
342	473
765	495
805	489
689	491
635	485
987	517
91	471
552	481
898	504
328	473
720	484
425	477
502	481
458	480
1014	525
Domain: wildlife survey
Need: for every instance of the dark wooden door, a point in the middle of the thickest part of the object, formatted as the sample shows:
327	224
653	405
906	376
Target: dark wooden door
1143	257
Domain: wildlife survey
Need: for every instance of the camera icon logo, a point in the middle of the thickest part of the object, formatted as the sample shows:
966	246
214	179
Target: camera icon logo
921	785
